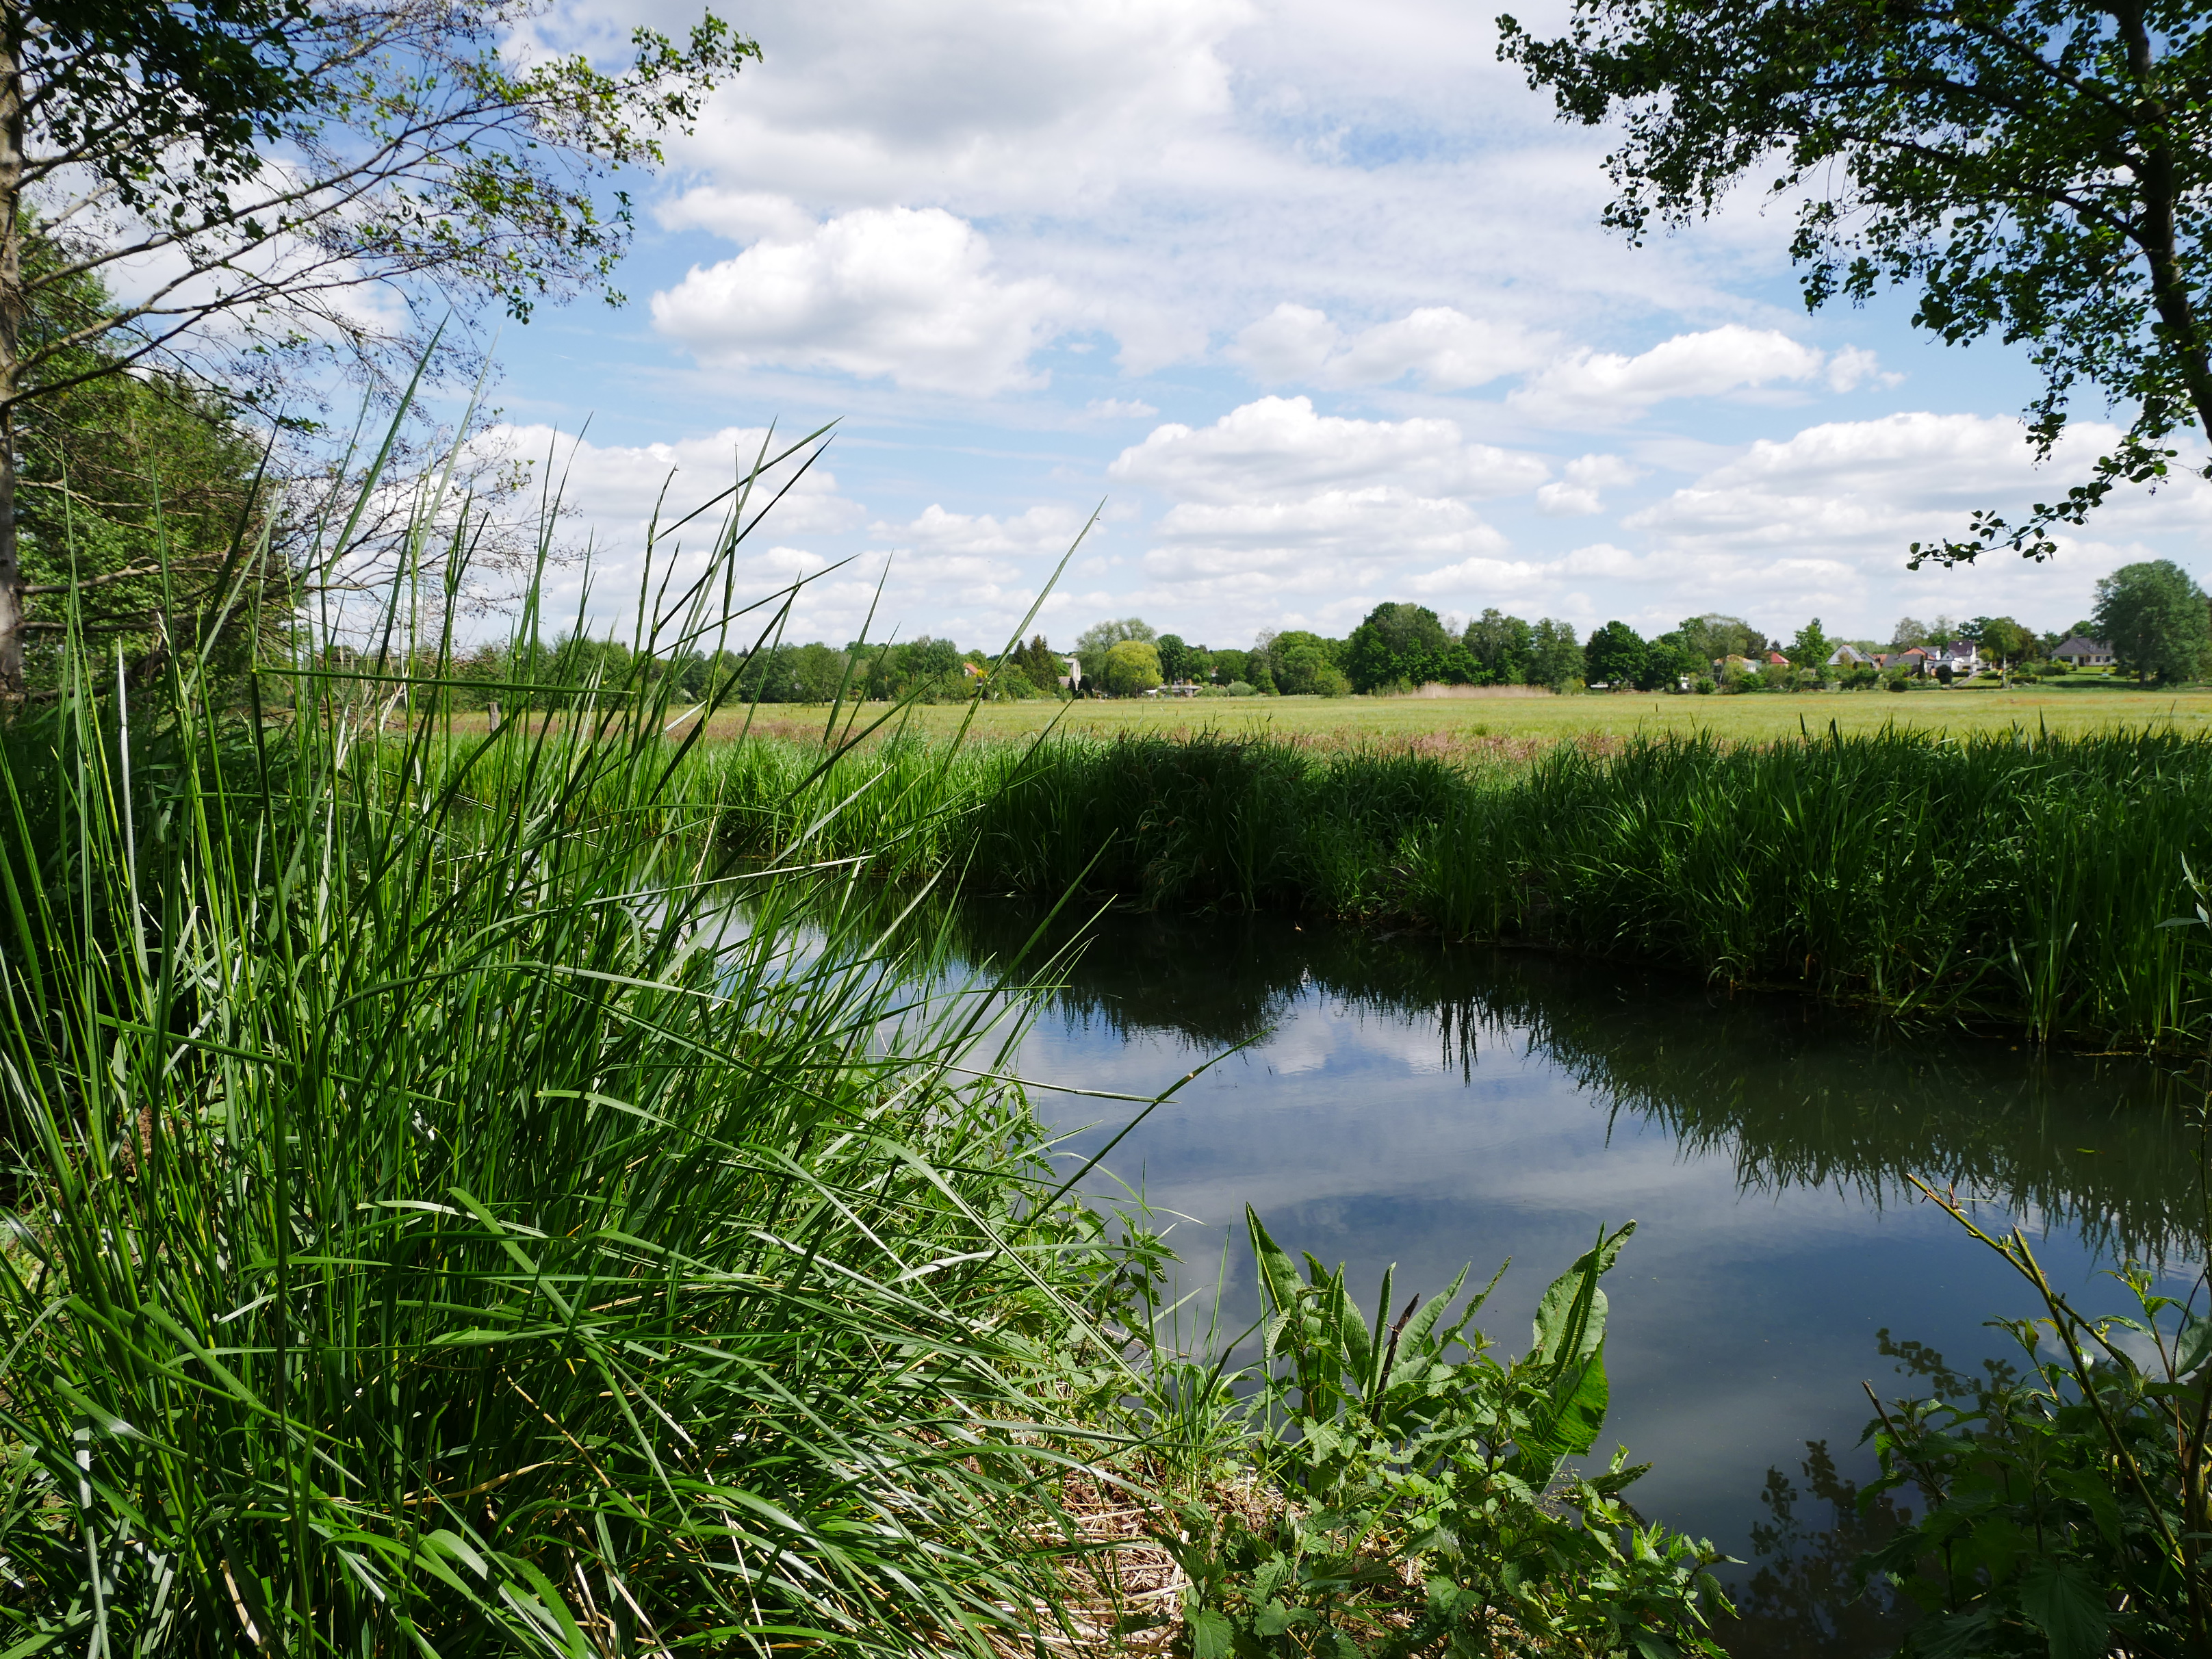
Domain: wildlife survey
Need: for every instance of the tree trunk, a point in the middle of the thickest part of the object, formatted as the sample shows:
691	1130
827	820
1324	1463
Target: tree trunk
2159	181
11	316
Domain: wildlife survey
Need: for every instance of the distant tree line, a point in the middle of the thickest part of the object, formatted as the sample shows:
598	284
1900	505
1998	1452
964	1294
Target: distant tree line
2156	619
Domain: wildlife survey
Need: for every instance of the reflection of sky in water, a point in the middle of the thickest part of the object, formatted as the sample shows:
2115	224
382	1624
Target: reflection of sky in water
1744	1312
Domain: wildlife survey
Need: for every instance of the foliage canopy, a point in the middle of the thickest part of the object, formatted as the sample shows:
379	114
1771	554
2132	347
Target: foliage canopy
2156	620
2037	168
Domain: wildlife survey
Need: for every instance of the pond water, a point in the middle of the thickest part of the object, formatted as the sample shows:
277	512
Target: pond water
1400	1101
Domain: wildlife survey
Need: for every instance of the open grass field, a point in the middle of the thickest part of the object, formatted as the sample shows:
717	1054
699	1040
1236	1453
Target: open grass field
1510	727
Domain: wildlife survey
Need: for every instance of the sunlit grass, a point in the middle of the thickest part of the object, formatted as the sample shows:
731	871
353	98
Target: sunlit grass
1515	728
441	1221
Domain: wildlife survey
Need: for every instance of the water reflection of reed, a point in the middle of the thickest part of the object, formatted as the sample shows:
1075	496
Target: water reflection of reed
1795	1093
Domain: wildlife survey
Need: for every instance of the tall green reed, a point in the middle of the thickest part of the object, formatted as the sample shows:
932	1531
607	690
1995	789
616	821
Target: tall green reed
456	1211
2018	877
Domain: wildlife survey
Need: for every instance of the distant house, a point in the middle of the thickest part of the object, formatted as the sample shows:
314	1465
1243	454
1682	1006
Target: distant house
1961	656
1722	664
1847	656
1776	659
2079	651
1914	660
1072	680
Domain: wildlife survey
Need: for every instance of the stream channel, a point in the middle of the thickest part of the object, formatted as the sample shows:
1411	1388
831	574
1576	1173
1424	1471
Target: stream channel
1402	1102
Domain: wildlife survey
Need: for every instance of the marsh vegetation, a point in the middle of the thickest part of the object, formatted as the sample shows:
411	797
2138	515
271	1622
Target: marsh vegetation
2041	881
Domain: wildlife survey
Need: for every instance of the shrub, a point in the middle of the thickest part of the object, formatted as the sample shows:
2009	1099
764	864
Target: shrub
2065	1497
1408	1444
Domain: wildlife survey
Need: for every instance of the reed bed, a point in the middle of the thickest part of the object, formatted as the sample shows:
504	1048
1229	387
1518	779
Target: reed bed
442	1220
2043	882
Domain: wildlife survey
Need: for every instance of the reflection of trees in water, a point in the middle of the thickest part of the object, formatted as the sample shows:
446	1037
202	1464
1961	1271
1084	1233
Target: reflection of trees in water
1803	1601
1796	1095
1793	1093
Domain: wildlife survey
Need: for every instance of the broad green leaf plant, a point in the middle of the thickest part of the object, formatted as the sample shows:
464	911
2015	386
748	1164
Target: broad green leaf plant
1420	1492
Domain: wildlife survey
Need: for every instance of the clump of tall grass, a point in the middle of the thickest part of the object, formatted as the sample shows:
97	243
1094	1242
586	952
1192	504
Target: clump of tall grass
437	1226
2019	877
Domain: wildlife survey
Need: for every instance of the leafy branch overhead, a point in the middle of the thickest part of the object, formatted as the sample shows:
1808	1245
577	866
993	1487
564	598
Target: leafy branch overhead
279	152
2036	168
290	183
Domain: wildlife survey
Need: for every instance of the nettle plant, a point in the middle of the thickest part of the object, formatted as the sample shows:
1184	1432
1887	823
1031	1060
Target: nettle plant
2068	1496
1421	1497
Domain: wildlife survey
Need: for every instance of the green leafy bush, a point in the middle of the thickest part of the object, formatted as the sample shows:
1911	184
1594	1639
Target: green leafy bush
1425	1499
2066	1504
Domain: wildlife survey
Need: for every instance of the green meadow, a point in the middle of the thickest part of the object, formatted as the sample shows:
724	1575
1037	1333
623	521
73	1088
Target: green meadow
1516	726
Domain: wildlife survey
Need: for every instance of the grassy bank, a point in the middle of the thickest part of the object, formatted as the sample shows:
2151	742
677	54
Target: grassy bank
434	1232
2020	878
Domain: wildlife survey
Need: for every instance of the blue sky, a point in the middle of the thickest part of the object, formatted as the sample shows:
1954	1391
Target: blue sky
1315	300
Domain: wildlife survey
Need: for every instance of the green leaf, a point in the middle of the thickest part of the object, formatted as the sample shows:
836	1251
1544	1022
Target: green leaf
2061	1602
1211	1635
1349	1329
1278	1274
1425	1321
1580	1414
2194	1346
1567	1423
1571	1319
1377	1344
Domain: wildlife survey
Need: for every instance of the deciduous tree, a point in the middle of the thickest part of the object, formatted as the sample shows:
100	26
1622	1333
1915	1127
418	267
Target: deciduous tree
141	509
1092	644
2038	169
1500	646
1554	658
1174	657
258	162
1132	667
1398	644
1616	654
1303	665
2157	621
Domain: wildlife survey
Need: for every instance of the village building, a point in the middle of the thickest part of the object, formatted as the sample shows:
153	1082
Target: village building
2079	651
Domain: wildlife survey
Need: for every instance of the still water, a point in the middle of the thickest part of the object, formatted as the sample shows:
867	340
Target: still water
1400	1101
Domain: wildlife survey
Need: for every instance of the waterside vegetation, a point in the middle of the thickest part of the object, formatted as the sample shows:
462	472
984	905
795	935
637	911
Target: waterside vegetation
2039	881
442	1218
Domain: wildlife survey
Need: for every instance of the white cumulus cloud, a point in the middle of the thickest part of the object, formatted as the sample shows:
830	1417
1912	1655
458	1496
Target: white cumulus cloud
1275	447
1381	517
614	489
1577	495
1043	529
1607	387
904	293
1820	523
1443	347
1014	103
1276	504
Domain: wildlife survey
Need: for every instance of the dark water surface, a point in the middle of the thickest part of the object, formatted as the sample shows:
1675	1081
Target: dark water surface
1400	1101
